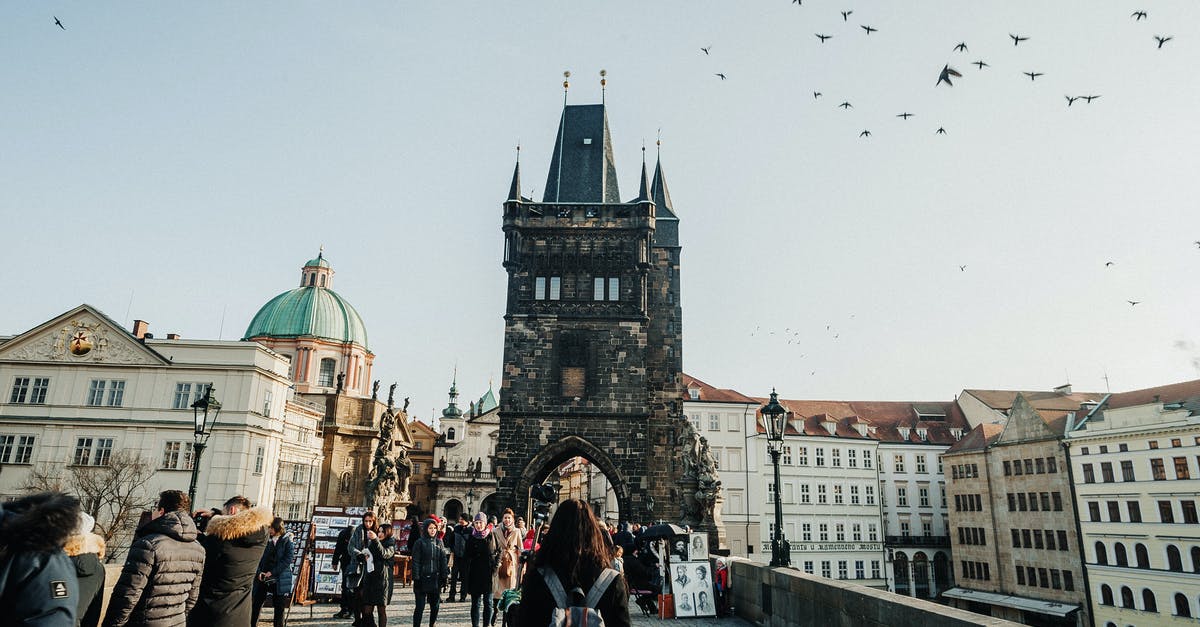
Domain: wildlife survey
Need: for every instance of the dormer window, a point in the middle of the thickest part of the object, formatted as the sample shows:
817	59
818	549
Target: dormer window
694	394
923	434
831	427
904	431
957	433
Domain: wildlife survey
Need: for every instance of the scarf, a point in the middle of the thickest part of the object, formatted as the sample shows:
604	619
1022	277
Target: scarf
487	531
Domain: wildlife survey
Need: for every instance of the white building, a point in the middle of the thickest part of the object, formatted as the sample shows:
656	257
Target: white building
726	417
79	391
464	477
1135	465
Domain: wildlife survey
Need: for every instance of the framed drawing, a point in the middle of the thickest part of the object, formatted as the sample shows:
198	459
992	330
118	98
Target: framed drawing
692	586
679	549
698	546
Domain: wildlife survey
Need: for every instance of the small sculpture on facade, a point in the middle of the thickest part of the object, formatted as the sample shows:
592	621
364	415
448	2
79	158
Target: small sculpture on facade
391	395
341	382
375	390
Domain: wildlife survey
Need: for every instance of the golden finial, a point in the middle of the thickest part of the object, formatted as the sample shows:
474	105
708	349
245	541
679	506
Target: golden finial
566	83
603	83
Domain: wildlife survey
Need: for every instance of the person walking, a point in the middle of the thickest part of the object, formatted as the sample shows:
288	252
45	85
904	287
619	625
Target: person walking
505	577
160	582
274	574
430	569
458	546
483	558
366	543
37	579
341	561
388	540
234	543
575	555
86	550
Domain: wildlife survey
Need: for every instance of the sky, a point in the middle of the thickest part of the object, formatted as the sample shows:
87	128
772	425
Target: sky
178	162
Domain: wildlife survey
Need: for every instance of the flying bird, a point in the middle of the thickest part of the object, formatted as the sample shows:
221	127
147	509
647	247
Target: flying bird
1133	302
817	94
1089	99
947	72
720	76
706	50
1108	264
865	134
981	64
904	115
869	29
1017	38
1197	243
1032	75
1163	40
962	268
846	15
1071	101
1138	15
845	105
59	23
941	131
961	47
823	37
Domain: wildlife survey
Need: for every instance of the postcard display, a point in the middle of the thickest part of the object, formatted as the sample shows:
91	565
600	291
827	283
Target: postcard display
690	576
327	523
301	531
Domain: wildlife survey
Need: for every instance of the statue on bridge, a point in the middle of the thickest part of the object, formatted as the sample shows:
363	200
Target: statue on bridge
700	485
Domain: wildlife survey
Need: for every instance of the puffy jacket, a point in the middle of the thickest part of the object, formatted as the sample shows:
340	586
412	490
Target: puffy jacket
429	556
234	545
87	553
161	578
37	579
277	559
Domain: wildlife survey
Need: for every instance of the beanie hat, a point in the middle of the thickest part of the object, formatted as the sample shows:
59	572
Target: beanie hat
481	517
86	524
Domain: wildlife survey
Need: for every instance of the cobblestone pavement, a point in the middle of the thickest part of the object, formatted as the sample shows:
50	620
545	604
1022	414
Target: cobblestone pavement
451	615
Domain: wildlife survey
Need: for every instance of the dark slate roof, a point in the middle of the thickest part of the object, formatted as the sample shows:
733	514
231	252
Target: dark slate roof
660	194
514	190
644	186
579	171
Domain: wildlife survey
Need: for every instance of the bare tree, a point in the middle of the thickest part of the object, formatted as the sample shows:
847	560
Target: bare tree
115	494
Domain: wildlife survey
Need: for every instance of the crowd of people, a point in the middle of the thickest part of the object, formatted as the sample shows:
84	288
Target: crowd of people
218	567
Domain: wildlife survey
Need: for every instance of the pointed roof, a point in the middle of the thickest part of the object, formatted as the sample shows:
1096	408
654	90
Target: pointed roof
582	168
514	190
644	186
487	402
660	195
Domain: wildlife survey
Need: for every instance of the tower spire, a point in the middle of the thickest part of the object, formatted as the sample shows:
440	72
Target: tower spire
644	193
658	189
514	190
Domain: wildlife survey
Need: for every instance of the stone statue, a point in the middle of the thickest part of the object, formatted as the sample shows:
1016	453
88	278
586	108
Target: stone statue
392	395
341	382
404	472
405	408
700	485
375	390
387	482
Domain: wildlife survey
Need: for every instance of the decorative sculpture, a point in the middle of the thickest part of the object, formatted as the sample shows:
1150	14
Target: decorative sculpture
375	390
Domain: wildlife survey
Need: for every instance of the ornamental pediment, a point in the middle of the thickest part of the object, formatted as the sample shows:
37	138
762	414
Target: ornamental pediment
83	336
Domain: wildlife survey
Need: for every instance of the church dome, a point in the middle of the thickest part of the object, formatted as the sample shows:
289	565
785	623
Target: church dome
311	310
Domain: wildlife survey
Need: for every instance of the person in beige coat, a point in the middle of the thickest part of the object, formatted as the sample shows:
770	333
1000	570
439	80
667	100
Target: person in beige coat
509	539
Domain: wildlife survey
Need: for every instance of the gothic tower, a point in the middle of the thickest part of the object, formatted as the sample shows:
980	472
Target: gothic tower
593	326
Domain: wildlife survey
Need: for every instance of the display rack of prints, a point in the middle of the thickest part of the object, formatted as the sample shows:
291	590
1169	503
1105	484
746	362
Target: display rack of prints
327	522
301	531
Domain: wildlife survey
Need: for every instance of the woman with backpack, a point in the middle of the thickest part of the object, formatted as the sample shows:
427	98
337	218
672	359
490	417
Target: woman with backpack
575	555
429	572
509	538
482	558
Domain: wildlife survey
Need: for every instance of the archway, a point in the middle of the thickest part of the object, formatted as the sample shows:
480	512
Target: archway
900	573
451	509
491	505
552	457
941	572
921	575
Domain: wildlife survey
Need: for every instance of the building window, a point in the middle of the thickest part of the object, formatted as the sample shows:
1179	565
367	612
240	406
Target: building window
177	456
854	495
1181	468
539	288
808	567
1183	607
803	455
16	449
1049	539
806	531
1165	512
820	456
804	496
259	457
268	396
1041	466
837	458
823	532
1157	471
842	569
839	531
1127	471
921	469
821	494
1135	511
20	390
1089	476
870	495
1174	560
186	394
787	456
837	494
1057	497
1189	512
92	451
852	456
106	393
866	459
1149	603
902	496
923	495
1106	472
872	532
826	570
325	376
904	528
29	390
555	288
899	461
714	423
1114	511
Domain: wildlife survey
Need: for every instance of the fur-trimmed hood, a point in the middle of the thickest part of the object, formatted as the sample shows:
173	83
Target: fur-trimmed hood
240	525
86	543
39	522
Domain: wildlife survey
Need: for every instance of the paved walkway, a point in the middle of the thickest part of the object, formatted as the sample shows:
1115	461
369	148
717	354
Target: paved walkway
453	615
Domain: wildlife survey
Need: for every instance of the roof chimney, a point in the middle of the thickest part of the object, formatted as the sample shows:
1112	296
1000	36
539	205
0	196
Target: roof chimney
172	336
1063	389
140	327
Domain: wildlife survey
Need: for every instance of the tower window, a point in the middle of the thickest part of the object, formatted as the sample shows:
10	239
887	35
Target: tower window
573	357
322	280
606	289
539	288
325	378
555	287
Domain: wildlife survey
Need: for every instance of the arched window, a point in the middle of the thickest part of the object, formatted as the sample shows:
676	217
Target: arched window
1149	603
312	278
1126	597
1122	557
450	434
1182	607
322	280
1106	597
1174	560
1101	553
1196	559
1143	558
325	378
1110	624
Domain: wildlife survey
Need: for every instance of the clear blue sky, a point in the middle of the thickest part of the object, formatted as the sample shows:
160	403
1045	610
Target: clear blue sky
193	155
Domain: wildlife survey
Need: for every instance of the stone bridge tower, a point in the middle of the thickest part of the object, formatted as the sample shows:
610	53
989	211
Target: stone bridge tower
593	327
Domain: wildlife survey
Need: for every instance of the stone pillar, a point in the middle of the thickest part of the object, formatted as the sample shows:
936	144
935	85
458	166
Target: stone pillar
933	591
912	578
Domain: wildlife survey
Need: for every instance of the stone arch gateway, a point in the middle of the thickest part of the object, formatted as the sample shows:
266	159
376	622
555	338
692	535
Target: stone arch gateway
592	327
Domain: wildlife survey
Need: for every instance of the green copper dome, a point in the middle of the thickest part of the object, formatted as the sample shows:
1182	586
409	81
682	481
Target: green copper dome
311	310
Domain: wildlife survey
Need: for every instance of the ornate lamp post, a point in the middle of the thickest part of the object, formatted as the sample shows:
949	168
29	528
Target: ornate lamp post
471	503
204	412
775	417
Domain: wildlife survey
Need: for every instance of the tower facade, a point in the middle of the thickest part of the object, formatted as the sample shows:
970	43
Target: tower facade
593	334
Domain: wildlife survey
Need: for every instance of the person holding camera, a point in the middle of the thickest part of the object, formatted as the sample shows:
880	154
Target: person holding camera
429	571
275	574
233	543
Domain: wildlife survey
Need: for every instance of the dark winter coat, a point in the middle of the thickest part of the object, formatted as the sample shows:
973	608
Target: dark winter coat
429	558
234	545
624	538
161	578
87	553
482	558
341	554
377	585
537	604
32	563
277	559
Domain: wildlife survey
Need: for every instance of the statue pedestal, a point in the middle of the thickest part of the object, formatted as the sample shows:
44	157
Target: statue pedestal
712	525
690	514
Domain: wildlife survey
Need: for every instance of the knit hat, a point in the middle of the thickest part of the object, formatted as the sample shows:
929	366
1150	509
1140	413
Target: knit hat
481	517
86	524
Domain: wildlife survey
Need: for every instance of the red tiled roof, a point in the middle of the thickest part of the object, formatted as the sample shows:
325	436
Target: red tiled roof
978	439
886	417
711	394
1173	393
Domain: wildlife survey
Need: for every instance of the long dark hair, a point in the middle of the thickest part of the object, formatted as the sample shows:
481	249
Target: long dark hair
575	547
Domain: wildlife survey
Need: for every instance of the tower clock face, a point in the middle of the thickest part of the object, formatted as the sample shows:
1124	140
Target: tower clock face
81	342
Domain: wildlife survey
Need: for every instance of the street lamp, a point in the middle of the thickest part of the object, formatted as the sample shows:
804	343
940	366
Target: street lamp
471	502
202	409
775	417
